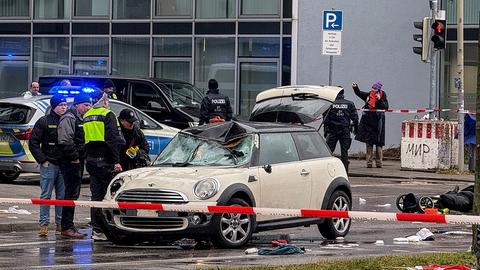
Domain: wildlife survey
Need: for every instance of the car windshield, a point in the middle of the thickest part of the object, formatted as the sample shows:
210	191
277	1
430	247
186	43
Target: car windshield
185	150
182	94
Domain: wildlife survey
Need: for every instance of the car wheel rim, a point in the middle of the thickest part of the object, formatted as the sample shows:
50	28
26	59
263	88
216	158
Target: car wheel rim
235	228
341	224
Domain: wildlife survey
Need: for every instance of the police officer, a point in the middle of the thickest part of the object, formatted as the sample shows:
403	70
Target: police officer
337	123
135	153
103	142
109	89
71	141
45	150
215	107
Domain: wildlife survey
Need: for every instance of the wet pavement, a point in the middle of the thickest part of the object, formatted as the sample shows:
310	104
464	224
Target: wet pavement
25	250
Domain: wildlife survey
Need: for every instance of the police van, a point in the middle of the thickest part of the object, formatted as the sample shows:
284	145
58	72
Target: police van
171	102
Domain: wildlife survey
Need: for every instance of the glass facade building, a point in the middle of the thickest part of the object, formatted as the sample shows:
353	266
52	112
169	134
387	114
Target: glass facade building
244	44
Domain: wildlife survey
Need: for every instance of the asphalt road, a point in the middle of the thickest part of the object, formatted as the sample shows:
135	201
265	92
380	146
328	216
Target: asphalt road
25	250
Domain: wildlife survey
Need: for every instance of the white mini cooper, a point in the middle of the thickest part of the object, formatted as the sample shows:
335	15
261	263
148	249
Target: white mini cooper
260	163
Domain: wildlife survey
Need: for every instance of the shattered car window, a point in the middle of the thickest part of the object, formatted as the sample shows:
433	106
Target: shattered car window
187	150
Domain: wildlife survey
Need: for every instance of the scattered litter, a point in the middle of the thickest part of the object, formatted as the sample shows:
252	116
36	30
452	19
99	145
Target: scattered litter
286	249
387	205
340	246
425	235
251	251
413	238
362	201
14	210
339	238
458	233
276	243
89	219
440	267
400	240
379	243
13	217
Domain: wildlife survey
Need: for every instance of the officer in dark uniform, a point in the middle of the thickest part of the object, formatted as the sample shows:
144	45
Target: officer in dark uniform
135	152
338	122
215	107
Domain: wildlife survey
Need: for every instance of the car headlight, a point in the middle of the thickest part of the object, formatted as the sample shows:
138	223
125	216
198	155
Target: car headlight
116	185
206	188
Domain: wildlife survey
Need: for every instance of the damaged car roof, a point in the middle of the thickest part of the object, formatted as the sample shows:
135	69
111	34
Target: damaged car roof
232	130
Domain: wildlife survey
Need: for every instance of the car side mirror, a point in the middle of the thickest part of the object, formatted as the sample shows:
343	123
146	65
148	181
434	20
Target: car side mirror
144	124
267	168
155	106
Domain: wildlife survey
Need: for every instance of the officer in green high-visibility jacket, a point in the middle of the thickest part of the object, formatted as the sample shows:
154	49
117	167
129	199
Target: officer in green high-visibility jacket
103	141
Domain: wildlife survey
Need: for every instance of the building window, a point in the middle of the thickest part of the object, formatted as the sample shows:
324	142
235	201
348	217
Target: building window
263	7
14	8
215	9
259	47
83	46
91	8
52	9
180	8
172	46
130	56
50	56
215	59
14	46
131	9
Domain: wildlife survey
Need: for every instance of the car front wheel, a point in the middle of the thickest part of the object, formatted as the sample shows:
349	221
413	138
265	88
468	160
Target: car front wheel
8	176
233	230
332	228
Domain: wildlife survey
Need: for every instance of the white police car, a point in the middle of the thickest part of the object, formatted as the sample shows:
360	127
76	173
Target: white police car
18	116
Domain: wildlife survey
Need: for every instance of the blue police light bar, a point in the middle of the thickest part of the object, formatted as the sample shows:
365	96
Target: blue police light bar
69	90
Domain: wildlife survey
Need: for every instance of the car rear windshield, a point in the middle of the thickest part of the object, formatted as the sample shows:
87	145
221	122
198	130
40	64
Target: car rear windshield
15	113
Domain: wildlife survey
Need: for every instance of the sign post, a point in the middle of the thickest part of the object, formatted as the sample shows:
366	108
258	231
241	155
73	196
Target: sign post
332	37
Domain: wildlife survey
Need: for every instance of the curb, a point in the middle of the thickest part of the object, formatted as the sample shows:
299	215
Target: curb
409	178
23	227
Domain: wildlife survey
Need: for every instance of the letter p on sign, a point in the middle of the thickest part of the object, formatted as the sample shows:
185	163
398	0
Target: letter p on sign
332	20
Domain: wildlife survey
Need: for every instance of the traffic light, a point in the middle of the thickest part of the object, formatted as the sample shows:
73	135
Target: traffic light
423	38
439	34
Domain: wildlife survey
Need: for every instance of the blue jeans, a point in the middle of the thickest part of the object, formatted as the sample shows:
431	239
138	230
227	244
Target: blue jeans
50	178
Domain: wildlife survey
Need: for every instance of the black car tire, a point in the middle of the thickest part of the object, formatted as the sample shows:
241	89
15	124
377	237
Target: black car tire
8	176
225	230
332	228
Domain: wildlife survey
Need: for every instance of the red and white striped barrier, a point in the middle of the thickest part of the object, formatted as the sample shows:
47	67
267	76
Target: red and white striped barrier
416	110
355	215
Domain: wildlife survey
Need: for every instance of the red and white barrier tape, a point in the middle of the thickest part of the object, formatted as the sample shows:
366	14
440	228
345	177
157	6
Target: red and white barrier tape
355	215
416	110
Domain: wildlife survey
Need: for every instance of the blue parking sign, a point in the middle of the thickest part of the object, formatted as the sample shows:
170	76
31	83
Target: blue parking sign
332	20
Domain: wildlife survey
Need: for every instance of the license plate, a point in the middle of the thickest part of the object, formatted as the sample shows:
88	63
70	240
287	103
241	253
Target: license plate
147	213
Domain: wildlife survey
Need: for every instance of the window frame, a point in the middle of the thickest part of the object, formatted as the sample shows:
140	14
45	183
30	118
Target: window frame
278	15
311	134
28	17
157	16
83	17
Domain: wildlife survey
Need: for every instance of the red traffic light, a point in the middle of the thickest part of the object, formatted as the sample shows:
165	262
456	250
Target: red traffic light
439	27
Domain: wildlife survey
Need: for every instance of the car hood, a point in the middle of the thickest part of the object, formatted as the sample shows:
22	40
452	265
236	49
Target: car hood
294	104
176	178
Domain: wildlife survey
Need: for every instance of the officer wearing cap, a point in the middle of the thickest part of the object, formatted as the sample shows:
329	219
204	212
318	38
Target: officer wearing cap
71	141
135	152
109	89
103	142
337	125
215	107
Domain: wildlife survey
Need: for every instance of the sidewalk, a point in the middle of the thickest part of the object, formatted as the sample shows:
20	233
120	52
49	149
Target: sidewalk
10	222
391	169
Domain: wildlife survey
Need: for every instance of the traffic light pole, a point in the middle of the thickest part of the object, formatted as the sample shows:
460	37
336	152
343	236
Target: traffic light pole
460	78
433	64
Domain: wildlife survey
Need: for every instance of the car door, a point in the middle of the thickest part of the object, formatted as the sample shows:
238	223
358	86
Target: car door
315	155
287	184
149	100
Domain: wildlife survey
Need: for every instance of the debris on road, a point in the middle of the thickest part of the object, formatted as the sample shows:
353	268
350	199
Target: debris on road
362	201
440	267
286	249
387	205
251	251
379	243
457	233
14	210
425	235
